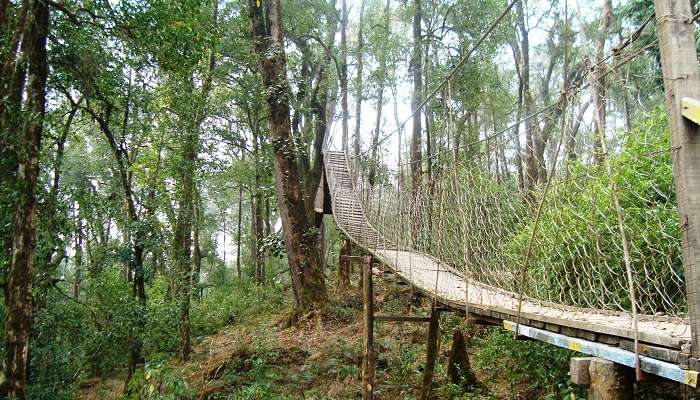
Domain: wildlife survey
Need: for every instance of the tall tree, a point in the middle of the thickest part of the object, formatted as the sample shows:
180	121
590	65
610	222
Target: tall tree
416	67
18	293
598	81
298	228
382	77
359	89
344	74
522	51
192	118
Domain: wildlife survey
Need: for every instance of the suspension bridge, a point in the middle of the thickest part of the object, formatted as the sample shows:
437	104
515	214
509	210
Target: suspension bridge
664	341
595	255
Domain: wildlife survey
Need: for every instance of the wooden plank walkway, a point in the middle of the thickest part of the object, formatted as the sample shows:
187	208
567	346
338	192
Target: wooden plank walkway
437	280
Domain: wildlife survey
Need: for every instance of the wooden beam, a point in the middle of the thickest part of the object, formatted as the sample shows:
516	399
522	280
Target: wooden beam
679	62
368	356
614	354
690	108
401	318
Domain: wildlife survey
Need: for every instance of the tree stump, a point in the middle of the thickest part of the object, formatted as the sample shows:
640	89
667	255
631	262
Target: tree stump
458	367
344	266
432	350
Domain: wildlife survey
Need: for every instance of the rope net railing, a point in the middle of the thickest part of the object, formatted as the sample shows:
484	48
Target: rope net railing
482	213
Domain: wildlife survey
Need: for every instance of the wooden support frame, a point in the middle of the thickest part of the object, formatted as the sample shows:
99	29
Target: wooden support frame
675	27
690	108
401	318
369	318
614	354
368	308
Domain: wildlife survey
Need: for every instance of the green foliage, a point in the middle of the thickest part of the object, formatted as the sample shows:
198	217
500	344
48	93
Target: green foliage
158	382
75	340
238	302
533	369
257	376
578	227
72	340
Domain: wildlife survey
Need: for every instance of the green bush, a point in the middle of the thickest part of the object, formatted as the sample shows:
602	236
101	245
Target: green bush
533	369
237	301
73	340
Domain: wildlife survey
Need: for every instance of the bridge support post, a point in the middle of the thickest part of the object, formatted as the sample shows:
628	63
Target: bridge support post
674	25
610	381
607	380
368	356
433	345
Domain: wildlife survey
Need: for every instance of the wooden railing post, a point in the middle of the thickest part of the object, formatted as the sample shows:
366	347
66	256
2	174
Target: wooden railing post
679	63
368	356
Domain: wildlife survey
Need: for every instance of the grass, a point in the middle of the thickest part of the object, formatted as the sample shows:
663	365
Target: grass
255	358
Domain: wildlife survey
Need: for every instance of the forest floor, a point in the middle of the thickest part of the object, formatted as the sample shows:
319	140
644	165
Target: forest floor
260	359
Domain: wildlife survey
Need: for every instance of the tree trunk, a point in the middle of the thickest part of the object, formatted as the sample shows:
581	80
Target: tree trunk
268	226
373	162
182	248
344	265
416	70
344	74
570	151
196	247
458	366
516	136
399	128
257	228
18	293
302	249
50	250
182	241
358	82
12	81
239	243
598	83
78	255
531	169
256	214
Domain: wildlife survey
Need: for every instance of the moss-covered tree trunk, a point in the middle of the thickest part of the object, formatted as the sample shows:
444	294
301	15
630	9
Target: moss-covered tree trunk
18	292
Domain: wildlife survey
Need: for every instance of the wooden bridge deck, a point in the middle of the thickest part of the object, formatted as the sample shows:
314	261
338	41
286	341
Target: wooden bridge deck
665	338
